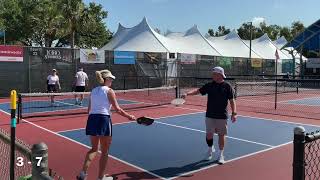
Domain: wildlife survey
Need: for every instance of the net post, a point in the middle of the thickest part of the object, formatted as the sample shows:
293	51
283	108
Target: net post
177	93
19	108
39	158
148	81
124	83
297	86
298	153
236	89
13	97
276	94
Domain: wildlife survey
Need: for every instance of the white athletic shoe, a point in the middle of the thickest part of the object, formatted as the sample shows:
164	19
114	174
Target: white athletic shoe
209	154
106	178
221	160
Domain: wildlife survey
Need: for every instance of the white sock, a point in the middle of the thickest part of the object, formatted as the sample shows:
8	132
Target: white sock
221	153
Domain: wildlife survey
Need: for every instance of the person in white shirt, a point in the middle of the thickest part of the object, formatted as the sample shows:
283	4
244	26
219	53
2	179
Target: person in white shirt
52	83
99	125
80	83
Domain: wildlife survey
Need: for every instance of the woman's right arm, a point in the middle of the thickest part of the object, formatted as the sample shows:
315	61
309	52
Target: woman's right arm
113	100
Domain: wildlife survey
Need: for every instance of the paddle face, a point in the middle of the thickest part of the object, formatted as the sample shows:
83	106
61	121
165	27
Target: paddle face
145	120
178	101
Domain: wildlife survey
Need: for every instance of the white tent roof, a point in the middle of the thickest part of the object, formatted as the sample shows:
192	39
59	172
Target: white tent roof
117	37
192	42
140	38
231	45
265	48
281	42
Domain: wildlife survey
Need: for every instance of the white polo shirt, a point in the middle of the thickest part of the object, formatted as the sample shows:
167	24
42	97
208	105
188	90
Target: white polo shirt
81	78
99	101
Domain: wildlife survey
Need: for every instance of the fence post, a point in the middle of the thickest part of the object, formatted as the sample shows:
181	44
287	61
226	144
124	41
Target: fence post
298	153
39	157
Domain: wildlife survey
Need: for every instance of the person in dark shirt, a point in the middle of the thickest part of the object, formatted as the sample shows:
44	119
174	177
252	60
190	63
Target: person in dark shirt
219	93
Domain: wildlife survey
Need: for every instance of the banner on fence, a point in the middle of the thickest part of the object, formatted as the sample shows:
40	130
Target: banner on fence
11	53
57	54
124	57
92	56
224	62
188	58
256	63
313	63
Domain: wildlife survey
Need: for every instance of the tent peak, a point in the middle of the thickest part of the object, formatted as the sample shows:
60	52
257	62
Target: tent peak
193	30
232	35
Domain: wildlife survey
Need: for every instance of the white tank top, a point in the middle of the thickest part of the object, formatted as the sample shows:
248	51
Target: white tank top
99	101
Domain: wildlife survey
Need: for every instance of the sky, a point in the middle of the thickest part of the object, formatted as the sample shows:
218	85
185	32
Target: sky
179	15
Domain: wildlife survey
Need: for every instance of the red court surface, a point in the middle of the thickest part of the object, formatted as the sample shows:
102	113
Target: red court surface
66	156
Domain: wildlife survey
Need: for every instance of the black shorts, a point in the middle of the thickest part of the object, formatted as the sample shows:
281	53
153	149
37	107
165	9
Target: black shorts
80	89
51	88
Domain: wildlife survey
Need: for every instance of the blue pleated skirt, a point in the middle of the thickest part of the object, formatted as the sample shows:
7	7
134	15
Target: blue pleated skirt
99	125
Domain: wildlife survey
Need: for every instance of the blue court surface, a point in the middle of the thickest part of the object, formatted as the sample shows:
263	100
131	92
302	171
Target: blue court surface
175	146
46	106
314	101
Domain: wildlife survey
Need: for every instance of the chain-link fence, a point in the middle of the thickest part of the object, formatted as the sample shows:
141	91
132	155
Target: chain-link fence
23	155
306	158
30	75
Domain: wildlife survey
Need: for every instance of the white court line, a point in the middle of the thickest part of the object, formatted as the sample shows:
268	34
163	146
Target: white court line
197	130
132	121
254	117
228	161
127	163
301	99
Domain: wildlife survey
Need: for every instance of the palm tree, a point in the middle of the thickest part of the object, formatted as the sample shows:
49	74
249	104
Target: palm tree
72	11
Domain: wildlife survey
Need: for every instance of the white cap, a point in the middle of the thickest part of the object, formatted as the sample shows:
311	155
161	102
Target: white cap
219	70
54	70
104	74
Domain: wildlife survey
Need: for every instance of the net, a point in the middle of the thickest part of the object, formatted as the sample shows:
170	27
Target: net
260	88
40	105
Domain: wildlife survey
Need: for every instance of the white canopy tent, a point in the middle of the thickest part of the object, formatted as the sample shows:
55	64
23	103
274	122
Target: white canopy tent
265	48
279	43
231	45
142	38
192	42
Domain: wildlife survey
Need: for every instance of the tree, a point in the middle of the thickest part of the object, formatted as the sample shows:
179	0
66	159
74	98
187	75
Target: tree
244	31
220	32
285	32
157	30
211	32
71	22
93	31
296	28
